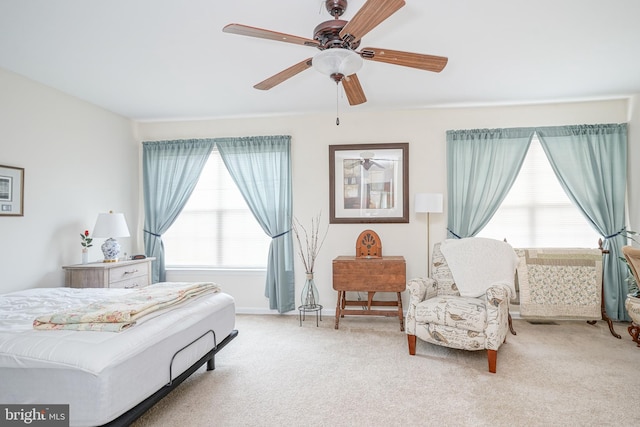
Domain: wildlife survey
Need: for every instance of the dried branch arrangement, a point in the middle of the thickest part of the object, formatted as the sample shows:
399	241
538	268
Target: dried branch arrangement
312	241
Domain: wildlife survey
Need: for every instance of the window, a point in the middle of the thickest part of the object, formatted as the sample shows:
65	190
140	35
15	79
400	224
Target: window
216	229
537	212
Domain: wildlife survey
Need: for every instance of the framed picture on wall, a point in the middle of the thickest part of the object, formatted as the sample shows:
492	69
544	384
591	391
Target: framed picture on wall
11	191
369	183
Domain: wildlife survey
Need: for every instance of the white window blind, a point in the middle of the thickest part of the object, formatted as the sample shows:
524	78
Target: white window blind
216	228
537	212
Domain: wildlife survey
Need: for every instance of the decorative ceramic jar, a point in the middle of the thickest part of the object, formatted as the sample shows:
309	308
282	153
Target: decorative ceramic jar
110	249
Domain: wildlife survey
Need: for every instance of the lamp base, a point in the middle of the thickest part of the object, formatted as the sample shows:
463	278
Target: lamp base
111	250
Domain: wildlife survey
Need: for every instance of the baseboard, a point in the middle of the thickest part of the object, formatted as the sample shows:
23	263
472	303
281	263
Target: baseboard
294	312
325	312
250	310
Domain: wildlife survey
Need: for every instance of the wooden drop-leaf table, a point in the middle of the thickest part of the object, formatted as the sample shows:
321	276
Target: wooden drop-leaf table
371	275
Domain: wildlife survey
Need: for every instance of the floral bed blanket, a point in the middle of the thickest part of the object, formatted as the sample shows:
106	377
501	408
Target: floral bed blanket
123	311
560	283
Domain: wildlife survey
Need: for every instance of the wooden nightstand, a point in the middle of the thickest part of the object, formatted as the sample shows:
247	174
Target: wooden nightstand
371	275
122	274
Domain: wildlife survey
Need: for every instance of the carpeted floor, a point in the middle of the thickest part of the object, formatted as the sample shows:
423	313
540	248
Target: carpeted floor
276	373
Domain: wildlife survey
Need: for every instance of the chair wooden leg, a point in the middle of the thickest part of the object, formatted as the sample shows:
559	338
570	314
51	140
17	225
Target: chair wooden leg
513	331
411	339
492	355
634	331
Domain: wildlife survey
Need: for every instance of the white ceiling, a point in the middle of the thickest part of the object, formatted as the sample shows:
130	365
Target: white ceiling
169	59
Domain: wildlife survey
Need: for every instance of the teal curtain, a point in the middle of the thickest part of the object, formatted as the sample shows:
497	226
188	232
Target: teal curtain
261	167
482	165
591	163
170	171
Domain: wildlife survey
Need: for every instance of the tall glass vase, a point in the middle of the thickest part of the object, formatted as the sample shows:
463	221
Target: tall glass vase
310	298
85	255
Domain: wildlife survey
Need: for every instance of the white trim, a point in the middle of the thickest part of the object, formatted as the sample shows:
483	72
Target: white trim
193	271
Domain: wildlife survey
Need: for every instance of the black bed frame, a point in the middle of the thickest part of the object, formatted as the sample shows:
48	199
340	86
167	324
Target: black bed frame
136	412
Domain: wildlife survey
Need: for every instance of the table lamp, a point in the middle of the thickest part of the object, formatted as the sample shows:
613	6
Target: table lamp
111	225
428	203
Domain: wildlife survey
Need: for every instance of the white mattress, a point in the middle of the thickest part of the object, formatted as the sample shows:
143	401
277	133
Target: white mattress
100	375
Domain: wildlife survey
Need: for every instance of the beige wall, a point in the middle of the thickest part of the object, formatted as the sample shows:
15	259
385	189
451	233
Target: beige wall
424	130
79	160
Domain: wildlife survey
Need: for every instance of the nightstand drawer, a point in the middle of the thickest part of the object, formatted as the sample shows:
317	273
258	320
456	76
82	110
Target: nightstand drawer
121	274
127	272
135	282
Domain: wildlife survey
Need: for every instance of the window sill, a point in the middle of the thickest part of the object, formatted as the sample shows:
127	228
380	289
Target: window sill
218	271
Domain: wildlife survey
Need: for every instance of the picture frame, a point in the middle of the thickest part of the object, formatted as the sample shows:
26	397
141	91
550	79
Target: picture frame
11	191
369	183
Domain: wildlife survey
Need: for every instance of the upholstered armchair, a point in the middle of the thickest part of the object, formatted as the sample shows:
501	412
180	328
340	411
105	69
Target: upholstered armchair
438	314
632	303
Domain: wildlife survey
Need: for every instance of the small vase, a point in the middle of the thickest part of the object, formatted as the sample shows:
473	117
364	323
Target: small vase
309	297
85	256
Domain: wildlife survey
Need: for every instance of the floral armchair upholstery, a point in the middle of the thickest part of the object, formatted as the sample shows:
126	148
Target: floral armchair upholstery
439	315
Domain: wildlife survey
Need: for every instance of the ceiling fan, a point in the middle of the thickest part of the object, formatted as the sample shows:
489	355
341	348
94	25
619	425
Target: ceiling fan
338	41
367	160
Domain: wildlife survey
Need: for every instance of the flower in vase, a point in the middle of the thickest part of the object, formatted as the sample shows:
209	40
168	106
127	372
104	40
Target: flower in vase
86	240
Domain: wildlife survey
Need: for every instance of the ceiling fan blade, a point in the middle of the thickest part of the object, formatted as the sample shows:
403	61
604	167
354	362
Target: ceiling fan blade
245	30
370	15
283	75
406	59
353	89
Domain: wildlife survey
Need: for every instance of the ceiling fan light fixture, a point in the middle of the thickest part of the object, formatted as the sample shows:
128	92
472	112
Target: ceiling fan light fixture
337	61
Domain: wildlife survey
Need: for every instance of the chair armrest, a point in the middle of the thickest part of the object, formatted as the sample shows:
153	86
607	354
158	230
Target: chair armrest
419	289
497	297
498	294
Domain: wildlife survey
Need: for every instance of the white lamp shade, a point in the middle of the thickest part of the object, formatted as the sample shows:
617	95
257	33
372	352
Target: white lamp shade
428	202
111	225
337	61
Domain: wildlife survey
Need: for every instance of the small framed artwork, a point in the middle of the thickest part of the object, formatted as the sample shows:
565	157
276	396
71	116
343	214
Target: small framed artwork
369	183
11	191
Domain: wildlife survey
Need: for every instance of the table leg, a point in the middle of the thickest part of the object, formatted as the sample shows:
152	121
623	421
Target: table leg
400	316
338	310
370	299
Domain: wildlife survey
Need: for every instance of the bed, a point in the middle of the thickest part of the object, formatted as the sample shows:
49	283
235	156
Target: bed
107	378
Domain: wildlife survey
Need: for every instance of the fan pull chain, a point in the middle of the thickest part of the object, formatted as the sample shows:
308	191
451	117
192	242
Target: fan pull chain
337	105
